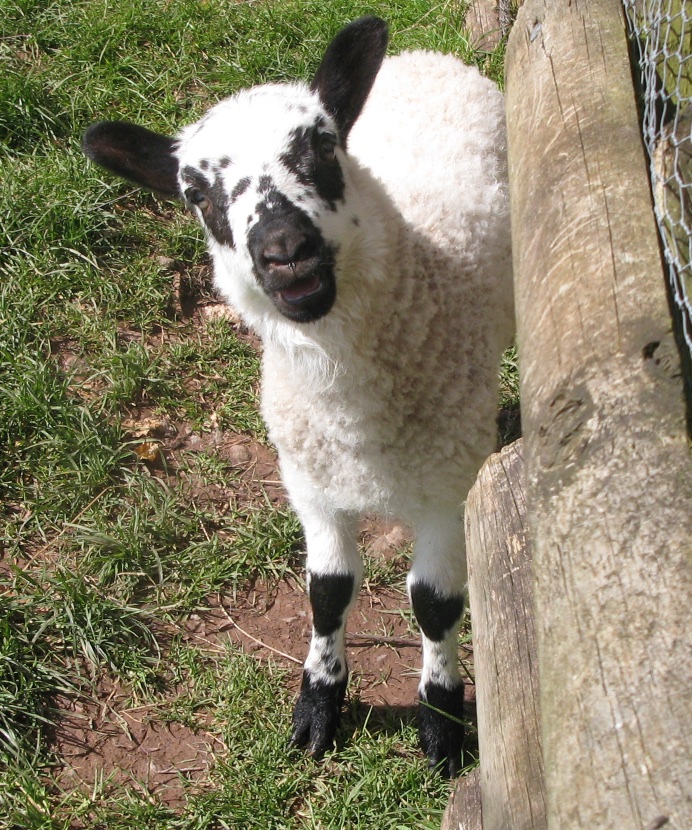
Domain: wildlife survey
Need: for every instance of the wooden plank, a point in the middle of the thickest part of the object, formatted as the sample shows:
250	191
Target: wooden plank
609	470
483	22
488	21
464	808
505	662
508	792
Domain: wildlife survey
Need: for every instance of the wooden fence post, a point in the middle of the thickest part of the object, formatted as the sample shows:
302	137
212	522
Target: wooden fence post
507	793
504	646
609	469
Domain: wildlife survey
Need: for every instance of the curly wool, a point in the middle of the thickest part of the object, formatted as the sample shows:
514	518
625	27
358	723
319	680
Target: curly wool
388	402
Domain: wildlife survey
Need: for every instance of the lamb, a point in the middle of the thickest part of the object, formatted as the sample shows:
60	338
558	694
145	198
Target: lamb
360	226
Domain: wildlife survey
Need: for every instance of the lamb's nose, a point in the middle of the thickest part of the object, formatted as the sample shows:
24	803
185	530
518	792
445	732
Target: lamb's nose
287	247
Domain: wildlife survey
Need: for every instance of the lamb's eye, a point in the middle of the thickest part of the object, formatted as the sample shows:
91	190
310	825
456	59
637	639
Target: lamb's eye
197	198
327	146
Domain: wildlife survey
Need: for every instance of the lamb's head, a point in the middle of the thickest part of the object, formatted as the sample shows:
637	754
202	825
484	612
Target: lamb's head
265	173
270	196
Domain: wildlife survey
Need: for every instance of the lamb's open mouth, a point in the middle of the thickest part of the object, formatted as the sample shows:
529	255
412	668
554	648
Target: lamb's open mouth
307	298
301	290
292	262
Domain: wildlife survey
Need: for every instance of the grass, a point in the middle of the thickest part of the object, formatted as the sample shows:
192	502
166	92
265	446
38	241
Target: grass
103	556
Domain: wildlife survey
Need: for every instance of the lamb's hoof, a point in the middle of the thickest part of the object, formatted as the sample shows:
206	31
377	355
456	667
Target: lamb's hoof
316	714
440	714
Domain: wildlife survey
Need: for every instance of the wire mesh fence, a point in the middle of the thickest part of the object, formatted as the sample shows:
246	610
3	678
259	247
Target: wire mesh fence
661	36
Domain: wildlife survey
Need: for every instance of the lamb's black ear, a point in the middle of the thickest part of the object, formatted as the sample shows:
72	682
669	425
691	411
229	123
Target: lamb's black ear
135	153
349	68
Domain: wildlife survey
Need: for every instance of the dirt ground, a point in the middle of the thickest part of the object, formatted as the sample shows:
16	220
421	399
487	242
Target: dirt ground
112	740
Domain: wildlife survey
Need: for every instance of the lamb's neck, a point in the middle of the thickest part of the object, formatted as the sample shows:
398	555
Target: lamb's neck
341	349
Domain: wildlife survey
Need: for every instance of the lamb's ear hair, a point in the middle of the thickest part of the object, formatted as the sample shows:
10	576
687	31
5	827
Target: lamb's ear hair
135	153
349	68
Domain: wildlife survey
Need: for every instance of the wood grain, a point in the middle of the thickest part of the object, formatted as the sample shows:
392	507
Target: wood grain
508	790
504	645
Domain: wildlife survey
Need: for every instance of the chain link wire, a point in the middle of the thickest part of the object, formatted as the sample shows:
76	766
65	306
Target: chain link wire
661	37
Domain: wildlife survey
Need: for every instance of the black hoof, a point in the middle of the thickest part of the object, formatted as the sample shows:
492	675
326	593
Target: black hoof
316	715
440	713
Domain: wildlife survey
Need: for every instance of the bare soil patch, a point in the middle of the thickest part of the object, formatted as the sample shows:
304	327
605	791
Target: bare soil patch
130	746
118	744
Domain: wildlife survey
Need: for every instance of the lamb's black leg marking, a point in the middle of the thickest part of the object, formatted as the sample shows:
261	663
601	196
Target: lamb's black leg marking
441	691
330	595
317	712
435	613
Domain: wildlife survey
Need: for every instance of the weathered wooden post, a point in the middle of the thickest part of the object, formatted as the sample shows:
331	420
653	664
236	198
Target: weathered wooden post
609	469
508	790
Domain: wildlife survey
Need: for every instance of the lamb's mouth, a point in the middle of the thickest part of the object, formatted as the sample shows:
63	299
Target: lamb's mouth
307	298
301	290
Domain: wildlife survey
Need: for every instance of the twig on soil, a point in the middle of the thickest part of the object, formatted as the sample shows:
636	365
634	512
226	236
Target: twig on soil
234	624
208	644
178	770
404	642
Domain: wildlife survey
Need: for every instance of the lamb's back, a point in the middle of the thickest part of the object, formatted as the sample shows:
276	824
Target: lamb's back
433	132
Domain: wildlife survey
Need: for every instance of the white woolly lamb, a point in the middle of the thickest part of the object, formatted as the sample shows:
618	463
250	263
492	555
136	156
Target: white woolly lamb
379	279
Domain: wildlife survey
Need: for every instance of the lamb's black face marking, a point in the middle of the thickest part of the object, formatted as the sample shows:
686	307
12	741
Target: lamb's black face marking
215	205
311	159
266	185
193	178
216	166
240	188
292	262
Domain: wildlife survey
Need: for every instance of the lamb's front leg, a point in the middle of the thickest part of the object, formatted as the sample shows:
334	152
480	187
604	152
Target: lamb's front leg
334	573
436	587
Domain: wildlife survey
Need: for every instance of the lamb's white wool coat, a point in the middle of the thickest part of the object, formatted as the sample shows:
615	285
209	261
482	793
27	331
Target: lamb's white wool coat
388	401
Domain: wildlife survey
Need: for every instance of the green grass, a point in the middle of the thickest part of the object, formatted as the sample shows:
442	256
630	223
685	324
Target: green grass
102	557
